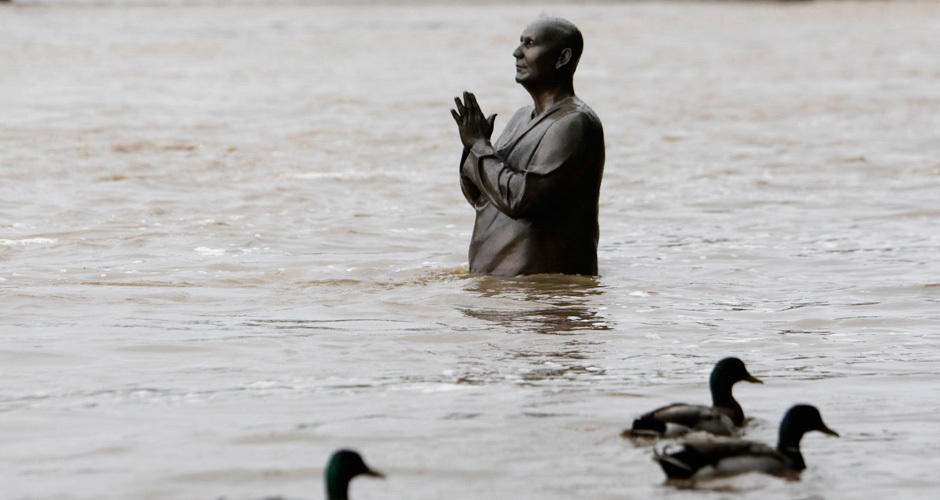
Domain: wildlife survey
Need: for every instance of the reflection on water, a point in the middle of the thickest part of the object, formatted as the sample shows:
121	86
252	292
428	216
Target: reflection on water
545	304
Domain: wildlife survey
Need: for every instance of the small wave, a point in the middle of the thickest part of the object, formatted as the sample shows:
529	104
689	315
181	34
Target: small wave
210	251
26	241
341	176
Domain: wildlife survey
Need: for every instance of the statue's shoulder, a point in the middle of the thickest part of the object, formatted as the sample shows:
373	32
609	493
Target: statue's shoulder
580	115
523	114
577	106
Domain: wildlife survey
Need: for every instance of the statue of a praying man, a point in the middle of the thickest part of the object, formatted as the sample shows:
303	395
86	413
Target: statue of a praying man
535	191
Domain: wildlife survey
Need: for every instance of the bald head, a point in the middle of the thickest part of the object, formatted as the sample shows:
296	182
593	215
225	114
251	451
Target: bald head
561	34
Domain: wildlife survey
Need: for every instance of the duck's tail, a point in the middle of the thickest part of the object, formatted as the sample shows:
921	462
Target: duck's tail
648	425
678	464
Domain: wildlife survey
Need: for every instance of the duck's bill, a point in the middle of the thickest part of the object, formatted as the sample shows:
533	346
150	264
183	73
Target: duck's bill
375	473
754	380
826	430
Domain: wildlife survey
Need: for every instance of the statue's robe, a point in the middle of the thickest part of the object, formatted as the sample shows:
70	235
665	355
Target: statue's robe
536	193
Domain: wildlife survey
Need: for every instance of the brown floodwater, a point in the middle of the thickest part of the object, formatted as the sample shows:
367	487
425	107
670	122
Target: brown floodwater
232	240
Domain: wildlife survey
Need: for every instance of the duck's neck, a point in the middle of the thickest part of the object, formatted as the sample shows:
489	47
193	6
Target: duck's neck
723	400
337	484
337	491
788	443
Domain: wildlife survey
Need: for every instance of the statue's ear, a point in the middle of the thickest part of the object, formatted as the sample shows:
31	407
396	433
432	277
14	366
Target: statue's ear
563	58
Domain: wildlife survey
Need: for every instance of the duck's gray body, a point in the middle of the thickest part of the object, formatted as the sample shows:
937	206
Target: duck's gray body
724	457
679	419
721	419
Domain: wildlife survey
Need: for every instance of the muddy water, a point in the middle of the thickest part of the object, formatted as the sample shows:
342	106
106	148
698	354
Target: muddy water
232	240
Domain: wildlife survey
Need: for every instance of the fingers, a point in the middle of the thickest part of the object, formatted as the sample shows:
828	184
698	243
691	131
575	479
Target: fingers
468	112
468	106
471	101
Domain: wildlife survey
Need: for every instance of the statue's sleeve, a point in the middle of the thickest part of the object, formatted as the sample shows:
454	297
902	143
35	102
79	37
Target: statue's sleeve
556	165
470	191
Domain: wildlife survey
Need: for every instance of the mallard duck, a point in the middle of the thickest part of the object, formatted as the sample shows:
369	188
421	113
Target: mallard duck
723	457
345	465
722	418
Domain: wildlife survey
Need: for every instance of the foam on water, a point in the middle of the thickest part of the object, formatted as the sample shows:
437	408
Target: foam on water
26	241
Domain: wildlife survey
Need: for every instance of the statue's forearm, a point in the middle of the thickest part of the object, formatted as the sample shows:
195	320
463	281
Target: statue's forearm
494	178
469	189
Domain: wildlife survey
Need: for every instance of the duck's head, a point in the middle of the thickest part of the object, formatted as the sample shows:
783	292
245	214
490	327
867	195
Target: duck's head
726	373
799	420
343	466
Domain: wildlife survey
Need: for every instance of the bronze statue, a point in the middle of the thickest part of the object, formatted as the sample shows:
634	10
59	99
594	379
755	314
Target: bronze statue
536	190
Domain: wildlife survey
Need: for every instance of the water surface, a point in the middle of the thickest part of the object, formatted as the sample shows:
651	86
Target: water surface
232	240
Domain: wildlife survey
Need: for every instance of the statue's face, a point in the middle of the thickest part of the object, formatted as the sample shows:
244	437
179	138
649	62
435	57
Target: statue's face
536	54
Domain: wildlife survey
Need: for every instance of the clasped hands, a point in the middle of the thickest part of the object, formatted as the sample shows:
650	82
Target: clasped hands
471	123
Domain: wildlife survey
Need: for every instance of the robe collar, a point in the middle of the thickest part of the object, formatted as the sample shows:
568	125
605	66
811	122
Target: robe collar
525	130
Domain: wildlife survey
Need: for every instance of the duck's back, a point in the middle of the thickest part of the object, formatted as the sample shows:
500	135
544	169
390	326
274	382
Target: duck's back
723	457
689	417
